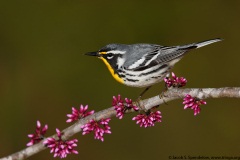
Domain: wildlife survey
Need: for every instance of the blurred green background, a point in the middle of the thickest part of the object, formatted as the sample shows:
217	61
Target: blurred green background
43	73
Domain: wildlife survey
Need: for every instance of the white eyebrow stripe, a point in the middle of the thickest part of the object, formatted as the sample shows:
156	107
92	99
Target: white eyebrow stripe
120	62
116	52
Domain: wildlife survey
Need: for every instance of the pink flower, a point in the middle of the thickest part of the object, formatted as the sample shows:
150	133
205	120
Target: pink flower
118	105
78	114
38	135
59	147
98	127
193	103
149	119
175	81
121	107
130	105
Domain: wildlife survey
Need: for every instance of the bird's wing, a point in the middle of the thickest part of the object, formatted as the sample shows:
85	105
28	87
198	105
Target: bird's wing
157	54
144	56
160	55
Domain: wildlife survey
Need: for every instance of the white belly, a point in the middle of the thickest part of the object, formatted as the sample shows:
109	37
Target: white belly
146	78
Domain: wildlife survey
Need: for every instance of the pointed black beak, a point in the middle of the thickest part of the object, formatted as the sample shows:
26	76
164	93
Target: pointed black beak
92	54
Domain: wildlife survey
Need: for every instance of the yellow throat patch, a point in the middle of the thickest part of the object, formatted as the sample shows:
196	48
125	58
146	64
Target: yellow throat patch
115	75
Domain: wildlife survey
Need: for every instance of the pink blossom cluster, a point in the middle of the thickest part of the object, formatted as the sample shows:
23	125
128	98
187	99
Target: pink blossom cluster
59	147
148	119
98	127
175	81
38	135
120	106
79	113
193	103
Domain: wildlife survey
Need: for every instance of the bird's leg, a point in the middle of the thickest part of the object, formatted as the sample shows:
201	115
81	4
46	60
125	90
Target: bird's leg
164	90
140	96
144	91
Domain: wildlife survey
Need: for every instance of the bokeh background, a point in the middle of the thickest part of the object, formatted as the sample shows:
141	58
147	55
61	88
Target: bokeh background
43	73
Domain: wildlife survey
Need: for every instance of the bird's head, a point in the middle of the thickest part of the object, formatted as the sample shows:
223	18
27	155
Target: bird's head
113	55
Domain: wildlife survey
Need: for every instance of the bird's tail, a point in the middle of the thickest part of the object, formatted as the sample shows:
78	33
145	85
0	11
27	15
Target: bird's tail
200	44
204	43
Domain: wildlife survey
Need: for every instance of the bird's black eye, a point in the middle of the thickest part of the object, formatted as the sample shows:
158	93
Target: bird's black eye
109	56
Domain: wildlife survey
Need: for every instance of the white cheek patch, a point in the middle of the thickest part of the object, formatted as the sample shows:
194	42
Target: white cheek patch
120	61
137	63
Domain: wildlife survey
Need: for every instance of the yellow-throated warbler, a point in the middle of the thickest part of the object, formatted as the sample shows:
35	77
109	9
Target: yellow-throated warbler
143	65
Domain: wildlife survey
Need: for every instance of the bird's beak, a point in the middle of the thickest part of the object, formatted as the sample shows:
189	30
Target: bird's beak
92	54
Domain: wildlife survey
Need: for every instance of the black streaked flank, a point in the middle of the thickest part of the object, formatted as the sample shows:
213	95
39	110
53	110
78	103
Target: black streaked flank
144	67
155	70
132	80
156	77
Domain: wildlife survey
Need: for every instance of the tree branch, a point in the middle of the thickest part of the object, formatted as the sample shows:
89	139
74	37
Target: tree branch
169	95
201	93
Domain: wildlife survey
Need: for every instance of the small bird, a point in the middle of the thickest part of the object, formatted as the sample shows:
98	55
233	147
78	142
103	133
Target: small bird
143	65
